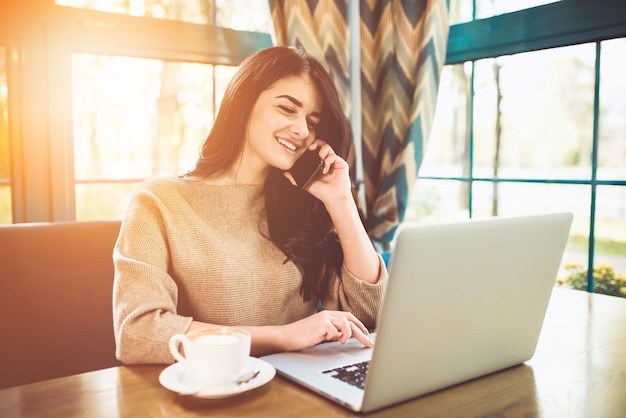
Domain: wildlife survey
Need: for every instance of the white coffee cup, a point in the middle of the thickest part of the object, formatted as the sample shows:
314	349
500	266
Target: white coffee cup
215	355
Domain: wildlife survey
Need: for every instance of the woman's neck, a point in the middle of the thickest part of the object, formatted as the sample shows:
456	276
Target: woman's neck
231	178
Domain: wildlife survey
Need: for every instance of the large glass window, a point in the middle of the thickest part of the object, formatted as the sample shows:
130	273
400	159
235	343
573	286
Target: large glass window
135	118
516	135
5	162
533	114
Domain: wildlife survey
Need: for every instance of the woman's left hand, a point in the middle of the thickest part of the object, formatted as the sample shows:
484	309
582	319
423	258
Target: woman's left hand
333	187
333	181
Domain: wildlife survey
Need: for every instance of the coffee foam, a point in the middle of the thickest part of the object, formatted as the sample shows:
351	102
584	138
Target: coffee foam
215	339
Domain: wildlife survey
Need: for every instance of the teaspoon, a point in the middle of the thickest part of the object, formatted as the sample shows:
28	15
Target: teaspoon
243	378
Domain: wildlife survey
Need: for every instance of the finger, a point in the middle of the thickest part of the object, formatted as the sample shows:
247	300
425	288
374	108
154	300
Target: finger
361	336
328	159
354	320
332	333
344	325
317	143
289	177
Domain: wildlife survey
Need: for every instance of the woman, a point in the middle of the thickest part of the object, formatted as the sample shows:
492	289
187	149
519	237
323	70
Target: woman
235	242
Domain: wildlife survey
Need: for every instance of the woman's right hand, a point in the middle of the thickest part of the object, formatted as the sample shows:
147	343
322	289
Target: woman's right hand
322	327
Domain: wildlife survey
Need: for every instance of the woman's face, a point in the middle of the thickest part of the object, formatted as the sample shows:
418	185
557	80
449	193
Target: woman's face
282	124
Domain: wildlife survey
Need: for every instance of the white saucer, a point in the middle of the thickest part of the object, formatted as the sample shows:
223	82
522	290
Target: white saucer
178	378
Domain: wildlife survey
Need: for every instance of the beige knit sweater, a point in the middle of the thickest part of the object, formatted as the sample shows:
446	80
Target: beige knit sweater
191	251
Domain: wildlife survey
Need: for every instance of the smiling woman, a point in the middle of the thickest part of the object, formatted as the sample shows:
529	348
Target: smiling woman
234	242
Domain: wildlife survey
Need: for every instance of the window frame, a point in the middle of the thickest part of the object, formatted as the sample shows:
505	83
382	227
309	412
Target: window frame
563	23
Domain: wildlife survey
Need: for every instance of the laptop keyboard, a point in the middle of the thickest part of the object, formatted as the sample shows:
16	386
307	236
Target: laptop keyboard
353	374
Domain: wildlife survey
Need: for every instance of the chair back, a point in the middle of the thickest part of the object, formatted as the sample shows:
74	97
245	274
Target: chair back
56	283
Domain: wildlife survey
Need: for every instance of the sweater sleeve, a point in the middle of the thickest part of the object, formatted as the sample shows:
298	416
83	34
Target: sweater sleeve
351	294
145	296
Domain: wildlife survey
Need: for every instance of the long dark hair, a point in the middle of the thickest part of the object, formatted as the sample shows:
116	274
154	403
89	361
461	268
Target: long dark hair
298	223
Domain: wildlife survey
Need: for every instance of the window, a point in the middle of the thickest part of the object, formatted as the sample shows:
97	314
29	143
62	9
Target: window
139	117
534	123
135	118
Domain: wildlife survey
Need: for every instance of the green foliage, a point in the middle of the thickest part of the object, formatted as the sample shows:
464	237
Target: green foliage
605	279
604	246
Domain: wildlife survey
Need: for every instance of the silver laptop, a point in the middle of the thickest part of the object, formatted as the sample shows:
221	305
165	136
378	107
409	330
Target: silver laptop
464	300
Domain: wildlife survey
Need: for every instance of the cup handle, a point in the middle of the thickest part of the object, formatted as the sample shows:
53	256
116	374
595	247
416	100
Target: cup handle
174	343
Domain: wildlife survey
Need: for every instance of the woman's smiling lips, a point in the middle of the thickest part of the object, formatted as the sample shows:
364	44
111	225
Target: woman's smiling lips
289	145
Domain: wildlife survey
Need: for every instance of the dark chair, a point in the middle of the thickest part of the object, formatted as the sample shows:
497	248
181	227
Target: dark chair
56	284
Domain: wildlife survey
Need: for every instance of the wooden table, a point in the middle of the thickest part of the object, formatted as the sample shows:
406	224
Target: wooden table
579	370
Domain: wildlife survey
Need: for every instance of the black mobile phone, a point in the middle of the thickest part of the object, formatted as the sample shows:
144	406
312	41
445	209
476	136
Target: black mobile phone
305	168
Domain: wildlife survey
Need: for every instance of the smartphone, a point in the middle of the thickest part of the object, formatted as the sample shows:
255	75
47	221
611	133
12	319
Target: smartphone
305	168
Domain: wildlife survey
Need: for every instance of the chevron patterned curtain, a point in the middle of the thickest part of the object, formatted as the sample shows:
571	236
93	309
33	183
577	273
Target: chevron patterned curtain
403	49
320	27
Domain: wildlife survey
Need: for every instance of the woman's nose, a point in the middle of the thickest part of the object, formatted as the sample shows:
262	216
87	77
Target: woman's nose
300	127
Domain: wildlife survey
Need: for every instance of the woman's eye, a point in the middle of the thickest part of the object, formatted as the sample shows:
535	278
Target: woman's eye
287	109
